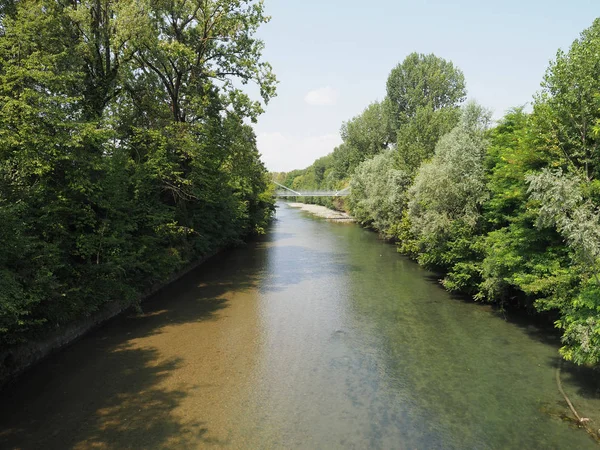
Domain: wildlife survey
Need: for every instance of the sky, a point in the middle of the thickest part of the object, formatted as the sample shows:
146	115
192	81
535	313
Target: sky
332	58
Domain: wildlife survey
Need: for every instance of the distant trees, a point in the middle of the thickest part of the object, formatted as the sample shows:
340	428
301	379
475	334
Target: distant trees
368	133
378	193
364	136
510	214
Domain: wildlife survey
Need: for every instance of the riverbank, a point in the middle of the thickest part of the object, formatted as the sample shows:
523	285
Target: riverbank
17	360
316	335
322	211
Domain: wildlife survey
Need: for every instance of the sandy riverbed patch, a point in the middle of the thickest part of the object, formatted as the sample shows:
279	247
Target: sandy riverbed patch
322	211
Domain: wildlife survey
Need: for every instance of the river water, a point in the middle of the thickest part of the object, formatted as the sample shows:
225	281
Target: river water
317	336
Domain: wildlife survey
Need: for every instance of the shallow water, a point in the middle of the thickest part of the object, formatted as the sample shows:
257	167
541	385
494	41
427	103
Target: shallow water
317	336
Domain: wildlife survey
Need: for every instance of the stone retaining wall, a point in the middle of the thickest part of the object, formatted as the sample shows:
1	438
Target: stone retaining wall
16	360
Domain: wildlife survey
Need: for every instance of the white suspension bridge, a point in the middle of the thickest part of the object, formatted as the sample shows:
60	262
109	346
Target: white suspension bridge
285	191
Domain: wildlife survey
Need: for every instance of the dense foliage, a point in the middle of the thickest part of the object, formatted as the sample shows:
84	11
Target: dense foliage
125	152
509	214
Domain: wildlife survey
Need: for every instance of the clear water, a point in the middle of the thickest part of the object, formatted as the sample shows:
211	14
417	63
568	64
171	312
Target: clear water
319	336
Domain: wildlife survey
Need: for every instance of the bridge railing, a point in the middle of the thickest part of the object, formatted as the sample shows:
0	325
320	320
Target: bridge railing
311	194
287	192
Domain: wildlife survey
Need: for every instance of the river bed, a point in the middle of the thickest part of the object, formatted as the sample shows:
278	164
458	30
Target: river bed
317	336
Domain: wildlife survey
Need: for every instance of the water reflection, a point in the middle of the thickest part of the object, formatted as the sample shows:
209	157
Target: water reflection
316	336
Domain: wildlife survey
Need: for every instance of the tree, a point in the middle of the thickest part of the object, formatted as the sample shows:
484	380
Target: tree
344	160
568	105
510	241
196	45
110	178
7	8
424	93
448	192
378	193
562	205
368	133
423	81
416	139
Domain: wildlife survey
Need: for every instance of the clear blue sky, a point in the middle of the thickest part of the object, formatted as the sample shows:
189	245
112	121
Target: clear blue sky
332	58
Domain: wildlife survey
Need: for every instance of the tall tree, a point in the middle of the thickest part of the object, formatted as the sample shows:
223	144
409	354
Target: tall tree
199	44
423	81
424	92
368	133
568	105
108	182
449	191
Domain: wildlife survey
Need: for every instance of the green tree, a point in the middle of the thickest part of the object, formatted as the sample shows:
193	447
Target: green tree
195	44
424	92
378	193
563	205
108	182
417	138
447	196
511	240
423	81
368	133
569	106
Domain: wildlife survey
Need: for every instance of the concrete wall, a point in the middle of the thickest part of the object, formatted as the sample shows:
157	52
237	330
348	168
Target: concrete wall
16	360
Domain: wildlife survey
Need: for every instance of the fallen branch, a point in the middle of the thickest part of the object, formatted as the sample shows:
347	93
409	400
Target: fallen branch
580	419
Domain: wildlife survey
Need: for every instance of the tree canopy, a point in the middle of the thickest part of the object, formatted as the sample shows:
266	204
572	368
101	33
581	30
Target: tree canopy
423	81
125	149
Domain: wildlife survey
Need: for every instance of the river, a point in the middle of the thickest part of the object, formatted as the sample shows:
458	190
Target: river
317	336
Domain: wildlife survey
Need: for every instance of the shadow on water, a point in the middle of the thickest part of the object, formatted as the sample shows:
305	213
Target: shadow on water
108	390
538	326
581	380
586	380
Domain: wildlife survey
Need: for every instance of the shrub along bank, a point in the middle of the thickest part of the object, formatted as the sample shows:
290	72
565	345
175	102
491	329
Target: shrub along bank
508	212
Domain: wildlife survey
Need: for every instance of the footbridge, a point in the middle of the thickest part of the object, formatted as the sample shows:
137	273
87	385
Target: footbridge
285	191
